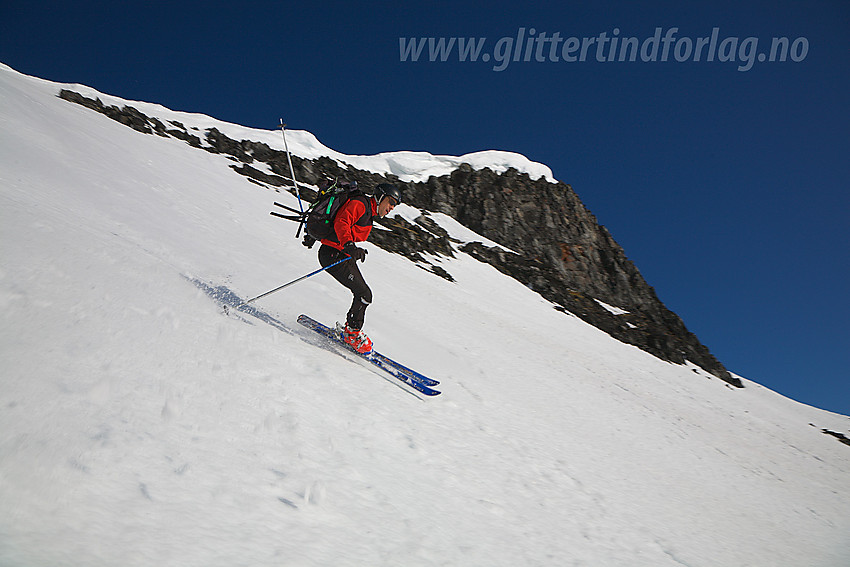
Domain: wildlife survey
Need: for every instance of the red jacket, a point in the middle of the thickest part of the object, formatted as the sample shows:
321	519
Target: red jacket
353	222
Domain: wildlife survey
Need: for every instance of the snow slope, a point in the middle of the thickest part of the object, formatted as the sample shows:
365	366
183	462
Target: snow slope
141	426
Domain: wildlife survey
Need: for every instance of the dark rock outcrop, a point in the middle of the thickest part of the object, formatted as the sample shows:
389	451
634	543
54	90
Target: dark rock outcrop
555	245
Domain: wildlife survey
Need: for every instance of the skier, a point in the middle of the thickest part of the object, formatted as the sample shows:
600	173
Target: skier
352	224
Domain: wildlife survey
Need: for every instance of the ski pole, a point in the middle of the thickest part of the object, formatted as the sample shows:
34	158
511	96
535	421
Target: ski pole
292	282
292	173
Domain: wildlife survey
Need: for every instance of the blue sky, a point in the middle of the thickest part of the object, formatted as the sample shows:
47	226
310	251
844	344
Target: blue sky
727	188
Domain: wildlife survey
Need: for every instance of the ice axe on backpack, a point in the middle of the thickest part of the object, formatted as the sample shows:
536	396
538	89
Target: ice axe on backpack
300	218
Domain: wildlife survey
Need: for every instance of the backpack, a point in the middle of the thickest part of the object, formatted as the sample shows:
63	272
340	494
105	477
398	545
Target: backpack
332	196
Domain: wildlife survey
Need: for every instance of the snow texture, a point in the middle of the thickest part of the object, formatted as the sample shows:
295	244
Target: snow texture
141	426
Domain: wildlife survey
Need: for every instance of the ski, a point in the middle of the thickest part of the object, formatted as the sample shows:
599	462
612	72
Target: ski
410	377
405	370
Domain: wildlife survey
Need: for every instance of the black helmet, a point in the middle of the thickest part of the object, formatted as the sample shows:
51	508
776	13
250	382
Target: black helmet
387	190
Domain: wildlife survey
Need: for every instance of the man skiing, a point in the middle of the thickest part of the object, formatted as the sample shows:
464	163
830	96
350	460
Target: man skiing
353	223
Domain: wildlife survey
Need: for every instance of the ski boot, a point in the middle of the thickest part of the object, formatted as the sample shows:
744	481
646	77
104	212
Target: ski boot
356	339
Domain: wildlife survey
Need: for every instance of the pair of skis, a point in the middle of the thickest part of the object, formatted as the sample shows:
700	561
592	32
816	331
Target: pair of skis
410	377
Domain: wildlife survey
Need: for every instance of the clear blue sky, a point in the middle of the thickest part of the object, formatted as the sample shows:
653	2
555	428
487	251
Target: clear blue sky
727	188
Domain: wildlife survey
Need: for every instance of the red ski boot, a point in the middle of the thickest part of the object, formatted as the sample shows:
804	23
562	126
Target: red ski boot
357	340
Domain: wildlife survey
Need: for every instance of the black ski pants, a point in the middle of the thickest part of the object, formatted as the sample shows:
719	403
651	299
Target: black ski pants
348	274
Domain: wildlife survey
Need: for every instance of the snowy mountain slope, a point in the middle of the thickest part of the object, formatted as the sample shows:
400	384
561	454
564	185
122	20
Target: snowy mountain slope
140	426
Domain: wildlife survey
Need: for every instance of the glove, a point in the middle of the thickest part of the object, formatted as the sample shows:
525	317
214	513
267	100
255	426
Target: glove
308	241
355	252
